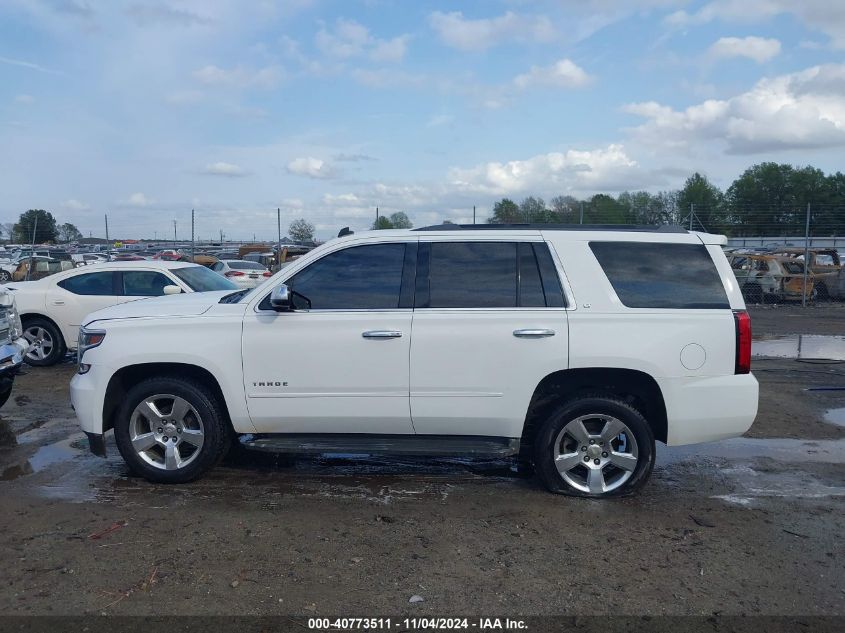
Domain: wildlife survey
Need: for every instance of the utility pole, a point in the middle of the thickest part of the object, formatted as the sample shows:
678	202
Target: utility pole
279	245
473	214
691	213
155	235
174	233
806	258
107	236
32	248
581	221
376	224
221	237
192	235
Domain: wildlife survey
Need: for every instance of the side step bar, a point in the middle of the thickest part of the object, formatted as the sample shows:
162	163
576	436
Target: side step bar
364	444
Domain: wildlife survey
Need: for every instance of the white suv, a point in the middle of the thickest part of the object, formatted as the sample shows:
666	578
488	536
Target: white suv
572	349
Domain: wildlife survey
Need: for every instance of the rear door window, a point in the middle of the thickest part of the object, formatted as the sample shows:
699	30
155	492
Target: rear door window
657	275
487	275
144	283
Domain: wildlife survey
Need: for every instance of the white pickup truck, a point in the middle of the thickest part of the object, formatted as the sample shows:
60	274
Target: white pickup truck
571	348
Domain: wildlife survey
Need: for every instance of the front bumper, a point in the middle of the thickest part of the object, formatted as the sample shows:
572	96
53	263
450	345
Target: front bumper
11	356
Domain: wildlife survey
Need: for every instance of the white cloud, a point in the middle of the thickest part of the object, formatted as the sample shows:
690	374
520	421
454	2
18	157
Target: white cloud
609	168
311	168
760	49
139	200
224	169
827	16
29	65
390	51
562	74
75	205
440	120
24	98
803	110
477	35
348	39
239	77
160	14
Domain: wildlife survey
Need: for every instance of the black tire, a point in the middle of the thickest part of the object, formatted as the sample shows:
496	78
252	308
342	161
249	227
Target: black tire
217	433
50	332
5	394
591	407
5	277
821	292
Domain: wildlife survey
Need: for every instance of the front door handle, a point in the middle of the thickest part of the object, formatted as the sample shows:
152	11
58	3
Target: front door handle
533	333
381	334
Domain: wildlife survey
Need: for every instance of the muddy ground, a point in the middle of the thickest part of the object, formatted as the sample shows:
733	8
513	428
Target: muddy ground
748	526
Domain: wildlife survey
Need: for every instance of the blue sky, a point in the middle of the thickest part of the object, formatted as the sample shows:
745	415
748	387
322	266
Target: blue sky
328	108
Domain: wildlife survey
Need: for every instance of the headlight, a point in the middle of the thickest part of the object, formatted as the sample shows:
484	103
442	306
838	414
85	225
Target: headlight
10	308
87	339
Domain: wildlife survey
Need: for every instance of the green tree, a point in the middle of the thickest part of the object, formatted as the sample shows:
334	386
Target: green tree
45	229
301	230
603	209
505	211
67	232
399	220
566	209
762	198
705	200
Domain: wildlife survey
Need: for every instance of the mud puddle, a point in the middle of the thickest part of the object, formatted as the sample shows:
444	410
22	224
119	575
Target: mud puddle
800	346
836	416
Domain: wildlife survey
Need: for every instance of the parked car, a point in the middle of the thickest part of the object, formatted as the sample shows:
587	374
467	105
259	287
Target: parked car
245	274
573	350
53	308
770	277
170	256
826	267
13	345
34	268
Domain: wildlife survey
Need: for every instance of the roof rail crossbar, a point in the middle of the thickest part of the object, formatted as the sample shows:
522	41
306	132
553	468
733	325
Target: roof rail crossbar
635	228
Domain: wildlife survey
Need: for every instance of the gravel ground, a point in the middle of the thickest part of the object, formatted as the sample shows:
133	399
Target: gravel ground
744	527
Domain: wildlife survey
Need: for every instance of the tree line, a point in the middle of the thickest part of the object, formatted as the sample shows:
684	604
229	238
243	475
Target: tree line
766	199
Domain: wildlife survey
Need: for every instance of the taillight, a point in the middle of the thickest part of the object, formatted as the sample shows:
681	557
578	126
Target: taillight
743	342
267	273
234	273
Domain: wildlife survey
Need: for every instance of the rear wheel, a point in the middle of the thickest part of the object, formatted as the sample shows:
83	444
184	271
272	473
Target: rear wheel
171	430
5	277
594	446
47	347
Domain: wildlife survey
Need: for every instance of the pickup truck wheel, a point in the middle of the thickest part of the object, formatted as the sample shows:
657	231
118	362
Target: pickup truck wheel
5	277
594	446
171	430
5	393
47	344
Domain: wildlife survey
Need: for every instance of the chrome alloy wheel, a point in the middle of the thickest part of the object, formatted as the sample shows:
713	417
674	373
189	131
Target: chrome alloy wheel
595	453
41	343
166	431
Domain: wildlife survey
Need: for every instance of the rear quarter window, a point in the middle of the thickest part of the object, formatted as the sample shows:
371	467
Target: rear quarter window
658	275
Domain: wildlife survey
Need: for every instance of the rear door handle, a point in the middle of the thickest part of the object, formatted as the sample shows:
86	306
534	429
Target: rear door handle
533	333
381	334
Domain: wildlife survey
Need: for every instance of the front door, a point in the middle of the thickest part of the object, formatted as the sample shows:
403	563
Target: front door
337	363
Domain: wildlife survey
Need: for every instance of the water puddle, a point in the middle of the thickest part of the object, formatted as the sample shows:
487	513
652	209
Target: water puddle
743	448
800	346
835	416
44	457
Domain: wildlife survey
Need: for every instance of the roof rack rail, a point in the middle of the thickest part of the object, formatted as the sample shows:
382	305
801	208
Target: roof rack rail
634	228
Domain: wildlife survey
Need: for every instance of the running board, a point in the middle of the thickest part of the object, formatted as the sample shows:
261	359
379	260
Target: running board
363	444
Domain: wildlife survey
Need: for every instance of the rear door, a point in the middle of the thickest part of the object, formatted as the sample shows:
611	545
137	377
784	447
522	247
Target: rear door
489	324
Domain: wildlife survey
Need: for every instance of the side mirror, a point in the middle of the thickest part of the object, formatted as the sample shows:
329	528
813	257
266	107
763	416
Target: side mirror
172	290
280	299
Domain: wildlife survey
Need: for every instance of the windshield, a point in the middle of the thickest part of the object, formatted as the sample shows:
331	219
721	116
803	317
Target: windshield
201	279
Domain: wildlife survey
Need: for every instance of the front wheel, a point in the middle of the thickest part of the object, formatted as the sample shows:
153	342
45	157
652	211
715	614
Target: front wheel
171	430
47	346
594	446
5	277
